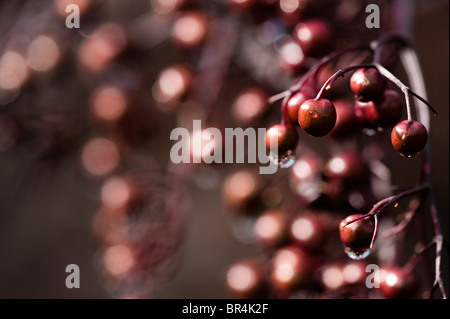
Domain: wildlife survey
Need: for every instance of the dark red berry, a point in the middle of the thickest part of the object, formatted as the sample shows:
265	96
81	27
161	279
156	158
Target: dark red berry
346	121
242	192
240	6
282	136
311	230
250	105
314	36
356	236
246	279
354	272
295	101
397	283
383	112
349	168
289	269
292	11
317	117
306	178
409	137
367	84
271	228
190	29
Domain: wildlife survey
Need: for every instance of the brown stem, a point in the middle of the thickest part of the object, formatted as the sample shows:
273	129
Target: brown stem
411	65
415	205
313	71
379	207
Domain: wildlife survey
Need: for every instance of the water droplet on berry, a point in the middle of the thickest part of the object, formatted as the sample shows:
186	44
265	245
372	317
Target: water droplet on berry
357	254
283	160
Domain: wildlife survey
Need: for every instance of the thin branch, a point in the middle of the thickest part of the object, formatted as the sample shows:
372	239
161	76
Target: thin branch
379	207
412	68
313	71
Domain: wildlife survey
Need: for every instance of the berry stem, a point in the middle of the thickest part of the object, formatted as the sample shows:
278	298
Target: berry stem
328	83
375	231
411	64
313	71
379	207
409	217
413	261
377	45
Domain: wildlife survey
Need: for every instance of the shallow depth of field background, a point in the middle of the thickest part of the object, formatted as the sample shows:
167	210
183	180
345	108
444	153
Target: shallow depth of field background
47	224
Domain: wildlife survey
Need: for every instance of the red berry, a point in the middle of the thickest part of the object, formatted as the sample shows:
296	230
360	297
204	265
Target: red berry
346	121
306	178
354	272
240	6
383	112
292	11
295	101
348	168
289	269
357	236
311	230
317	117
332	277
396	283
367	84
190	29
242	192
314	36
271	228
250	105
284	137
246	279
409	137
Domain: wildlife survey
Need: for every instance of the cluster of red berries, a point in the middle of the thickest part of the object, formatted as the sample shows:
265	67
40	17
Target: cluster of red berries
376	106
297	240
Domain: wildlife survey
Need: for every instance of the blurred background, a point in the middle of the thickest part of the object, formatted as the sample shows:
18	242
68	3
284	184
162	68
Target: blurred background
83	107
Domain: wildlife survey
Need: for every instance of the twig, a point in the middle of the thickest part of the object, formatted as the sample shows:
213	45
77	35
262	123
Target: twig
313	71
412	68
379	207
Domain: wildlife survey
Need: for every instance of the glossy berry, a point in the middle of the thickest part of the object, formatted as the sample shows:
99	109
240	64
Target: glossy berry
282	136
289	269
348	168
356	236
310	231
331	277
354	272
295	101
240	6
409	137
397	283
317	117
242	191
271	228
346	122
190	29
292	11
250	105
383	112
314	36
306	178
367	84
246	279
